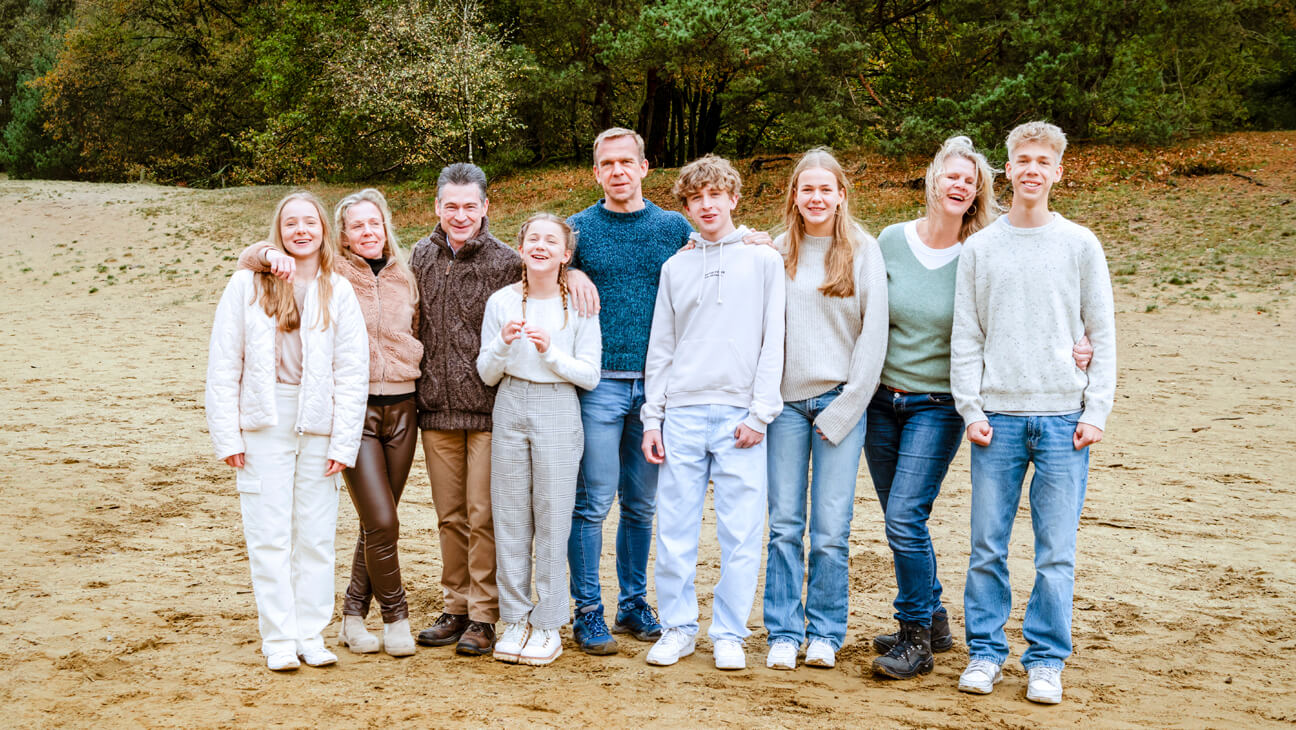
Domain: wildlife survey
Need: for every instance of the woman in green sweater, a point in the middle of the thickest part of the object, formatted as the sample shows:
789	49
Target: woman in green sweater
913	430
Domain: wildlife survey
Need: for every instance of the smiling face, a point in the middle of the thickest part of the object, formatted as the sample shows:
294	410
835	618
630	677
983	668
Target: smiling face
817	197
461	209
956	187
1032	168
544	247
363	230
301	229
711	210
620	170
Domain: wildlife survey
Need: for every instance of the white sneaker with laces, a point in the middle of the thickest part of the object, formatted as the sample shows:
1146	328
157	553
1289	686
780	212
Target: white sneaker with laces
283	661
980	677
820	654
542	647
674	645
317	656
782	655
508	647
1044	685
729	654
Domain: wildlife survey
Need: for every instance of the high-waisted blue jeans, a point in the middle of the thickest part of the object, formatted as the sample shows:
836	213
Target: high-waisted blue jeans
909	444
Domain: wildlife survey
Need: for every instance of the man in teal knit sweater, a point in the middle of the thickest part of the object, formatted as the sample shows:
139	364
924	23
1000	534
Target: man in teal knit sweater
623	240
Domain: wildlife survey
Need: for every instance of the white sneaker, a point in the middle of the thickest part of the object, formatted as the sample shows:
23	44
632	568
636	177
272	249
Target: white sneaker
317	657
674	645
980	677
820	654
542	647
283	661
508	647
1044	685
782	655
729	654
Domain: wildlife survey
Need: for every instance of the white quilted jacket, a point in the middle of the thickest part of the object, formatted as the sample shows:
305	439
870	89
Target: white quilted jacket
241	370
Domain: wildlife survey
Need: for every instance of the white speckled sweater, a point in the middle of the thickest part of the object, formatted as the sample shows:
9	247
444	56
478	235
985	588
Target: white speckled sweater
1024	297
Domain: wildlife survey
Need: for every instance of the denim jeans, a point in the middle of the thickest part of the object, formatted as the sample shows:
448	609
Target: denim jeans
700	447
910	442
613	465
793	447
1057	493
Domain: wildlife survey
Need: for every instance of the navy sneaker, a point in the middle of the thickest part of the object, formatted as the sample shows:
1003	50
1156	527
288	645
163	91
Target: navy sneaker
591	633
640	621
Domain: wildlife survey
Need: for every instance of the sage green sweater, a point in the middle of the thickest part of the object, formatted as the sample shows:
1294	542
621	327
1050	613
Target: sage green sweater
921	304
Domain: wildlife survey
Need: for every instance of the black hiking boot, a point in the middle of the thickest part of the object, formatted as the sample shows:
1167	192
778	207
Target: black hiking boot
910	656
941	638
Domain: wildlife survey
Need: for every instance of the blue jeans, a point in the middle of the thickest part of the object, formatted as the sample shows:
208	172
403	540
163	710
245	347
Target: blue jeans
794	446
1057	493
911	440
612	465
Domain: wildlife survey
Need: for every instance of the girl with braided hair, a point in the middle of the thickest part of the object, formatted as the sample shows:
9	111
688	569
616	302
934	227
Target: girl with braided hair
538	351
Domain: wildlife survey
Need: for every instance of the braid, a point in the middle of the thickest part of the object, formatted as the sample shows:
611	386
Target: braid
562	286
525	291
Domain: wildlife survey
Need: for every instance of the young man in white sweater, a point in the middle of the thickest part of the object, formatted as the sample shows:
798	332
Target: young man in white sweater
715	362
1029	286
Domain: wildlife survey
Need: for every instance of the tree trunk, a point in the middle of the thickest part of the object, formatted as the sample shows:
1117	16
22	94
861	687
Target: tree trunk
654	117
710	122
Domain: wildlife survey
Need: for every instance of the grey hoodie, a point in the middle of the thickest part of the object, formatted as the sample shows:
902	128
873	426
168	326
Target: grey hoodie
717	332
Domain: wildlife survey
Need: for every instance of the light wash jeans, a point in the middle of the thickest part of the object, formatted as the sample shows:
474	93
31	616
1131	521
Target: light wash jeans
1057	493
793	448
613	465
699	443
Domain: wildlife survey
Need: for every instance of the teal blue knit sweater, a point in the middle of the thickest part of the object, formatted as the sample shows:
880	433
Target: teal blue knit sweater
623	253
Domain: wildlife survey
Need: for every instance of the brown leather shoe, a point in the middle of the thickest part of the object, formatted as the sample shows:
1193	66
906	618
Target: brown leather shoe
446	631
478	639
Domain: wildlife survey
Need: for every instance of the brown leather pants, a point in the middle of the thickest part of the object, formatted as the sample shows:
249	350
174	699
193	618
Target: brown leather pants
376	482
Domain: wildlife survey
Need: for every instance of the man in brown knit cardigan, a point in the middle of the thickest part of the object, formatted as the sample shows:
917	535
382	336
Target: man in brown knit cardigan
458	267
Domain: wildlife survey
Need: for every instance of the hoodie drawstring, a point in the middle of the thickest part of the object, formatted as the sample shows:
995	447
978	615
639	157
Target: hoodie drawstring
734	238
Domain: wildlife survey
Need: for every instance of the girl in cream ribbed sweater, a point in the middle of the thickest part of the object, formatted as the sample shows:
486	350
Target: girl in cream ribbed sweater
835	343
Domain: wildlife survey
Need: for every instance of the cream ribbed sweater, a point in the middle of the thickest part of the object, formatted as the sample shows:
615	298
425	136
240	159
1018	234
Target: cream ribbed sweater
835	341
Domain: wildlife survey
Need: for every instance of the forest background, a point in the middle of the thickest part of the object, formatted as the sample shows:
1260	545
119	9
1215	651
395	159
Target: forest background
215	92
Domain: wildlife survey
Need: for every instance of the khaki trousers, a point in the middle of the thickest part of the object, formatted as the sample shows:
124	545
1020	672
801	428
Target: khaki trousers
459	466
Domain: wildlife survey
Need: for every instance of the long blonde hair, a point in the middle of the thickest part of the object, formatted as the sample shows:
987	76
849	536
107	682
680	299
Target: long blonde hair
391	249
569	241
276	294
839	261
985	208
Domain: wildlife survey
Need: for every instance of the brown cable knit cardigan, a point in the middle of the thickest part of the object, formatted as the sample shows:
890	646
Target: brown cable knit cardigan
453	289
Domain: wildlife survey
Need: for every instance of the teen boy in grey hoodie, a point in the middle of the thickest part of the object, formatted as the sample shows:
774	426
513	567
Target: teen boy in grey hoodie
715	362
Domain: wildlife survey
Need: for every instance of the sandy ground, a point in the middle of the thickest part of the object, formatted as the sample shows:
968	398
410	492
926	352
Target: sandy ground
126	597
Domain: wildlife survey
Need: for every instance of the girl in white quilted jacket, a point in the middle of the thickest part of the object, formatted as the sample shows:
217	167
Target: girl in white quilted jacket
287	382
